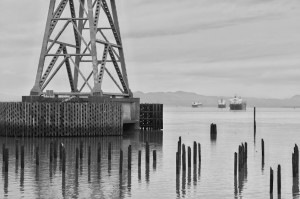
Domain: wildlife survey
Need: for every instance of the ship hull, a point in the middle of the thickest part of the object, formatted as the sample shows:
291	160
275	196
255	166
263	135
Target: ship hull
221	105
238	106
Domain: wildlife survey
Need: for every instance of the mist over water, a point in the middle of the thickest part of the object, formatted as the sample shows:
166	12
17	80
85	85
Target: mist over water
214	178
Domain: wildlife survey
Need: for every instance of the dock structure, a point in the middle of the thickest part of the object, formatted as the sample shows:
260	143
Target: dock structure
81	51
151	116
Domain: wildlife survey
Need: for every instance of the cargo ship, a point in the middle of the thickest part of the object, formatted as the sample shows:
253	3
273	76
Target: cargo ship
237	103
196	104
221	103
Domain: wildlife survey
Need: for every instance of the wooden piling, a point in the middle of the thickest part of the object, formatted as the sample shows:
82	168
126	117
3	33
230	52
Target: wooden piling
63	159
235	164
246	152
22	157
279	179
81	149
240	158
109	151
263	151
154	157
37	159
55	150
140	158
177	163
77	158
99	153
296	152
60	151
3	152
199	152
51	152
121	162
189	157
6	161
254	123
271	180
195	153
183	158
179	148
129	157
89	156
147	153
17	149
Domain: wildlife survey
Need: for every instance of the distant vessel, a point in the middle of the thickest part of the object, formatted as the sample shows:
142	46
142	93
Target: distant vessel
237	103
221	103
196	104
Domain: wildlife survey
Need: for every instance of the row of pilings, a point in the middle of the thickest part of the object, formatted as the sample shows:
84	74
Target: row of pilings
59	156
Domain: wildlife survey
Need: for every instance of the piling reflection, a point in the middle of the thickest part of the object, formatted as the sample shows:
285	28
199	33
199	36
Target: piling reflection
178	185
80	164
147	173
183	191
22	180
235	187
5	183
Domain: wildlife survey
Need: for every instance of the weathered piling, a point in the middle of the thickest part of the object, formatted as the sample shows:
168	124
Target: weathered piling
254	122
3	152
199	152
17	149
154	158
129	157
177	163
262	151
99	153
279	179
109	151
121	162
189	157
77	159
295	161
183	158
195	153
51	152
140	159
37	158
213	131
60	152
242	156
22	157
6	159
271	180
246	152
147	153
81	149
55	150
63	159
89	155
235	164
179	149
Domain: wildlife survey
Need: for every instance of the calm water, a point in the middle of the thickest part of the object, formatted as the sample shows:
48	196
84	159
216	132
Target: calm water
279	128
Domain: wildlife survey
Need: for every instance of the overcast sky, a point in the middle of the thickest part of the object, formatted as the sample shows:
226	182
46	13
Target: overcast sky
210	47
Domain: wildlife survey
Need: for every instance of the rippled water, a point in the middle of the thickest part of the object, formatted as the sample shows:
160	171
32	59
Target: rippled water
279	128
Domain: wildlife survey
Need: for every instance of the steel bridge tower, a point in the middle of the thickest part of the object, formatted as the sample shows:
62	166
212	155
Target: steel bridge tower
82	38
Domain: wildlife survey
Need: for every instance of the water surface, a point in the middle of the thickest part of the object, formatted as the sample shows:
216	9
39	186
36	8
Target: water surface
213	179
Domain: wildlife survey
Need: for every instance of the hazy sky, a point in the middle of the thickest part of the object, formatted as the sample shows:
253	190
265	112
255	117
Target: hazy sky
211	47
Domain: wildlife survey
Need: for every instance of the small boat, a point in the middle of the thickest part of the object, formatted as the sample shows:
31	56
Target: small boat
237	103
221	103
196	104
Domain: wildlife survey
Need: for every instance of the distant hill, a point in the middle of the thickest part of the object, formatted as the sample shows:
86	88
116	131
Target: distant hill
181	98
